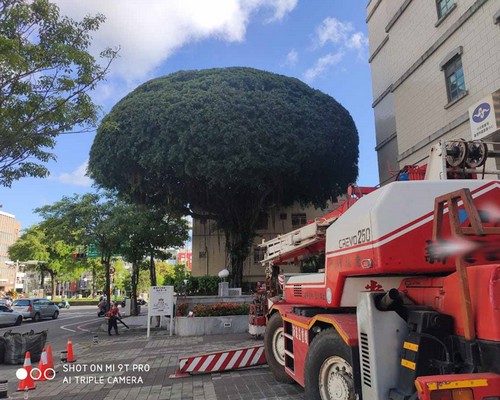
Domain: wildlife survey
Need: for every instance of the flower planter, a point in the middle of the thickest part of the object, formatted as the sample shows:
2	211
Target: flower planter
200	326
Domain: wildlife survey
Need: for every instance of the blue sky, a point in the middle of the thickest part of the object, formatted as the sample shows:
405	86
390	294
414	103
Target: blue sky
322	42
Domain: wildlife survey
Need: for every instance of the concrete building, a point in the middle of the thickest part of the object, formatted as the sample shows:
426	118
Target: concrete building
209	253
10	231
434	63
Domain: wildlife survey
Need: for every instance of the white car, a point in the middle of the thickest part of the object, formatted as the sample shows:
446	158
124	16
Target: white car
9	317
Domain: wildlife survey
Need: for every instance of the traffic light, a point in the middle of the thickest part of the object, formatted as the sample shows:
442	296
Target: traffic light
79	255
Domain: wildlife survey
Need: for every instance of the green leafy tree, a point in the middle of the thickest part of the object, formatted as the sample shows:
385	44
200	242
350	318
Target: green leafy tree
226	144
46	73
88	219
52	255
145	232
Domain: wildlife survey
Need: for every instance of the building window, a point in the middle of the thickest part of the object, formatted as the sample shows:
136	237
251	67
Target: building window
454	74
262	222
298	220
258	254
444	7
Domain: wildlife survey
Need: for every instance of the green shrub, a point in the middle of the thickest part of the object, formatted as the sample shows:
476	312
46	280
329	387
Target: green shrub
220	309
208	285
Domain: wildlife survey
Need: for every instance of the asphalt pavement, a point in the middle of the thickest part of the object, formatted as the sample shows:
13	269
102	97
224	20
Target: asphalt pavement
133	367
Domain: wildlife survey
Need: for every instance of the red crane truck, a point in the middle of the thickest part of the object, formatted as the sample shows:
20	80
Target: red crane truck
408	304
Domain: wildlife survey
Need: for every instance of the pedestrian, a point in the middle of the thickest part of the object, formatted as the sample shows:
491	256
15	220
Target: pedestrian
102	308
113	314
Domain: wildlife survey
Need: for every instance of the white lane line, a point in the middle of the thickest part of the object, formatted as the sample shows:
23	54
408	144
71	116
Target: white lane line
79	326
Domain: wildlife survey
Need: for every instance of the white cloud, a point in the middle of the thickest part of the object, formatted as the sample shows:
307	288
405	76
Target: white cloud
77	177
292	58
322	65
357	41
281	8
342	36
149	32
334	31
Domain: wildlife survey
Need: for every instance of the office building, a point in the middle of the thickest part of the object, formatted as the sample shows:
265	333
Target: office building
434	64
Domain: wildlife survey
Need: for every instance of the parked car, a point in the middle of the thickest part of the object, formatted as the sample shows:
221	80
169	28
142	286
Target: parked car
36	308
9	317
6	301
140	302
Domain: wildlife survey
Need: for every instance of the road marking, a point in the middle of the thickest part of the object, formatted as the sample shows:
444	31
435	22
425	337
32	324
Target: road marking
79	327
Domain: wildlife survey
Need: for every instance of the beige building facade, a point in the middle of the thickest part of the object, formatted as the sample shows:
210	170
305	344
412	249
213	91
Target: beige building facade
432	61
10	231
209	253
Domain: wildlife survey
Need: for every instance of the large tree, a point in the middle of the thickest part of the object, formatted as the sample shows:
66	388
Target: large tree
146	232
228	144
87	219
52	254
46	73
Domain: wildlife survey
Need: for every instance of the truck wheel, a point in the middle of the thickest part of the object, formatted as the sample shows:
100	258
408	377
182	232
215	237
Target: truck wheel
274	345
328	369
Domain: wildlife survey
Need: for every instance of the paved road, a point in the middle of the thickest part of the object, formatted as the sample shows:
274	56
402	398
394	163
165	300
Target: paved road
101	372
76	322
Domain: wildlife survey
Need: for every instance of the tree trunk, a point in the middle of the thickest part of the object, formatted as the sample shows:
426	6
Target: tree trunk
106	261
152	269
134	283
152	275
94	276
238	248
53	283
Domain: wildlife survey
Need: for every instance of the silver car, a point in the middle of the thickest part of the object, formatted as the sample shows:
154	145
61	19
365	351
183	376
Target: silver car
36	308
9	317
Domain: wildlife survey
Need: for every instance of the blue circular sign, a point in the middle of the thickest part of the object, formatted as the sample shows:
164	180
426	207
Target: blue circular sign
481	112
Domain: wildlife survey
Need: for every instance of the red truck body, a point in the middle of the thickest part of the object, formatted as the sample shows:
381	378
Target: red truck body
387	240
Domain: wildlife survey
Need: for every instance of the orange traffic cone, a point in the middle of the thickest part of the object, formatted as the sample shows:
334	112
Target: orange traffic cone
50	360
45	372
27	382
69	348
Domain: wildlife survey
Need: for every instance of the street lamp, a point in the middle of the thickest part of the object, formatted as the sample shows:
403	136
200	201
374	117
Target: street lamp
224	274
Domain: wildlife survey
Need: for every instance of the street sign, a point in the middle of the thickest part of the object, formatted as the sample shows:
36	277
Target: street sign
161	303
92	251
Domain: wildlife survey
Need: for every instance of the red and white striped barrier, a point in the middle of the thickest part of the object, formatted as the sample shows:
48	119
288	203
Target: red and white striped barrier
221	361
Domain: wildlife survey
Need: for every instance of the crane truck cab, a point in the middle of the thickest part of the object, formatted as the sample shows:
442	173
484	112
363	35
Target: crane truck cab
408	304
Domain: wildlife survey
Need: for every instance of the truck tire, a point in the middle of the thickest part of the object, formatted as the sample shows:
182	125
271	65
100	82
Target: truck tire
328	369
274	346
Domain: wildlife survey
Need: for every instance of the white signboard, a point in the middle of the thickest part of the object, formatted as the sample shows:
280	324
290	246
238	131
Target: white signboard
161	303
161	300
483	121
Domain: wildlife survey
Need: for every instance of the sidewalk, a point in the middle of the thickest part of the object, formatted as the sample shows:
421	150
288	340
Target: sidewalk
134	367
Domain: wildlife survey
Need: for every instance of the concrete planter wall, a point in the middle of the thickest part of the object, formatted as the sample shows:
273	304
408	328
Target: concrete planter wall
194	300
199	326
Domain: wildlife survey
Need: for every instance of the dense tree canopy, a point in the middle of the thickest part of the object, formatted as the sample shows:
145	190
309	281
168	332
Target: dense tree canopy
229	143
46	73
51	253
114	227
